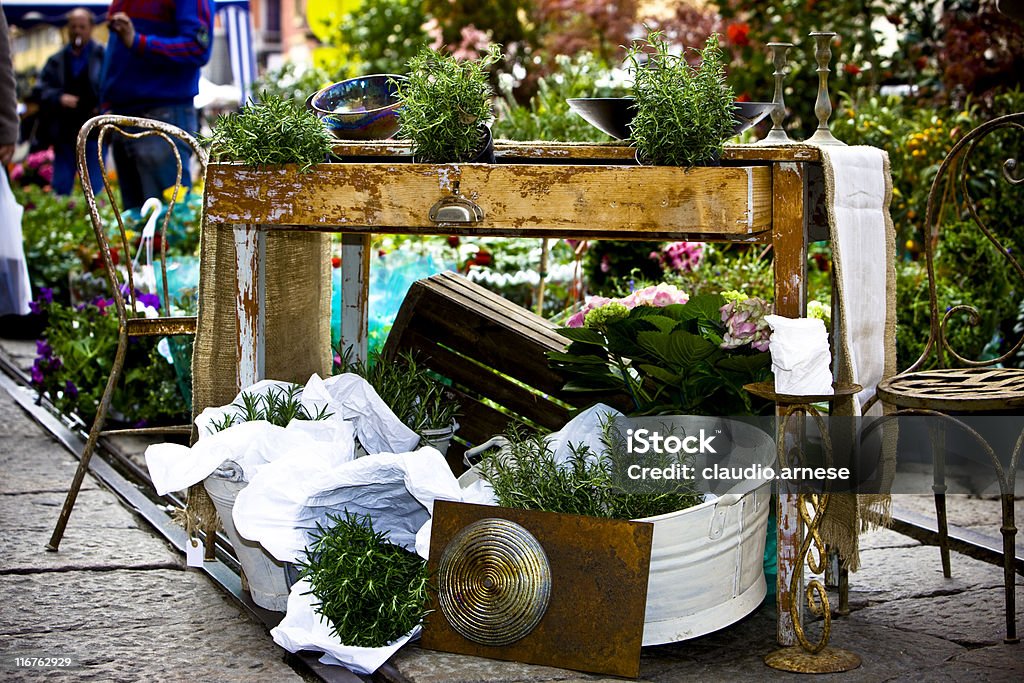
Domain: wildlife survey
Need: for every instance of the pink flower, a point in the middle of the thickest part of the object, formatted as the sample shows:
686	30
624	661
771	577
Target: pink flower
680	256
591	303
745	324
16	172
46	173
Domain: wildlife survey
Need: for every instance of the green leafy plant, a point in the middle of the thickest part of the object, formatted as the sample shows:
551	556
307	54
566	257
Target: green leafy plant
445	102
421	401
525	474
370	590
273	131
278	406
689	358
75	358
684	113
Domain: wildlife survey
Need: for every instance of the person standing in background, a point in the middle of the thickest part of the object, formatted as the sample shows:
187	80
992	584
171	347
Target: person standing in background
69	90
151	71
8	98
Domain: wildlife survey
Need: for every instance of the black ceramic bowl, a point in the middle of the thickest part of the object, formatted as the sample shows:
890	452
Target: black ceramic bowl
364	108
612	115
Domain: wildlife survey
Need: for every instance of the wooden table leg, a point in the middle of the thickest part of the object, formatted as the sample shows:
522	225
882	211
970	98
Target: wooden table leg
789	239
250	302
355	293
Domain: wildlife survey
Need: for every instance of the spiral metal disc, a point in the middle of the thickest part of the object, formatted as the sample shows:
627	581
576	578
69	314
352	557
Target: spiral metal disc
494	582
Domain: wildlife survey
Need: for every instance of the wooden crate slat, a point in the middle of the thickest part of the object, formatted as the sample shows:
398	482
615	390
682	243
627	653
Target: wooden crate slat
516	198
474	379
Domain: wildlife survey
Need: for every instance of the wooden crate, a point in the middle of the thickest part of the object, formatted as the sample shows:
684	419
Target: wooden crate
490	349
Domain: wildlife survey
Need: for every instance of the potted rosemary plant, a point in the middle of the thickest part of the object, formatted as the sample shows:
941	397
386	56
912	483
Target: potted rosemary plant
419	400
371	591
446	107
270	132
684	113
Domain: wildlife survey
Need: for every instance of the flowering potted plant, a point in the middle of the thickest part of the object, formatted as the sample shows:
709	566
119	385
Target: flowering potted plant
670	353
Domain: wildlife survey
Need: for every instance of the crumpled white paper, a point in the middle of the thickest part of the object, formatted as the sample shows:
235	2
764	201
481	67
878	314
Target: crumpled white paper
800	356
304	629
356	410
285	500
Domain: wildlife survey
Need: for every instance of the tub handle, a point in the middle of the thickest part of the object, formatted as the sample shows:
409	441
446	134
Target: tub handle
722	506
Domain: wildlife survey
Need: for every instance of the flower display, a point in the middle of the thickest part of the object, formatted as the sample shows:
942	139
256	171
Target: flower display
681	257
668	352
655	295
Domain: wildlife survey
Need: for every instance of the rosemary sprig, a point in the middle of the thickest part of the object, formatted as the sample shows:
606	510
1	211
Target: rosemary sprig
370	590
444	103
684	113
278	406
525	475
270	132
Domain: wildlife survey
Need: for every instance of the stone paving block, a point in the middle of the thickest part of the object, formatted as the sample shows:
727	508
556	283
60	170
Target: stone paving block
15	423
961	510
734	654
36	464
101	533
136	625
898	573
973	617
885	538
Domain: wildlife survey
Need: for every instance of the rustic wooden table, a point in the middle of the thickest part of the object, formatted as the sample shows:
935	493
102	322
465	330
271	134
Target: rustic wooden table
760	194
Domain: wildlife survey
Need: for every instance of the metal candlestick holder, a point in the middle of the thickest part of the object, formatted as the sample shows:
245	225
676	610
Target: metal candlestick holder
778	134
822	106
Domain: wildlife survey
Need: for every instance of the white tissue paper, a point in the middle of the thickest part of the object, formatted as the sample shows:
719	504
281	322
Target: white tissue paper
800	356
304	629
355	410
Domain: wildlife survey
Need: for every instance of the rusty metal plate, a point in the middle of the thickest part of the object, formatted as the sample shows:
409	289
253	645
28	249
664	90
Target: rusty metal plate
538	587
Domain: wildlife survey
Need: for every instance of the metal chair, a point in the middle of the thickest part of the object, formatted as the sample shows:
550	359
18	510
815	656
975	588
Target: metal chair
131	323
942	383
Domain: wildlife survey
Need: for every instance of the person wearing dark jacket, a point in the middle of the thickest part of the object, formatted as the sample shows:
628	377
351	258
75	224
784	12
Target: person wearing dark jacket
69	93
151	70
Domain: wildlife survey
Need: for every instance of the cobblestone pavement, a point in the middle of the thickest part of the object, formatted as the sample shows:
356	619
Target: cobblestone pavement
116	600
122	606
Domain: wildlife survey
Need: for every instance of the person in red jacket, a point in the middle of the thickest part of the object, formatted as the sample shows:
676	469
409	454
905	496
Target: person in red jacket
151	70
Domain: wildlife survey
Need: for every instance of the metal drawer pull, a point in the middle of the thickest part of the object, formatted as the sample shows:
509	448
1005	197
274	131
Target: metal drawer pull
456	209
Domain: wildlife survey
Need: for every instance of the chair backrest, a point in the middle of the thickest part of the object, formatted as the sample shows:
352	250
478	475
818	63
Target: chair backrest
100	128
966	188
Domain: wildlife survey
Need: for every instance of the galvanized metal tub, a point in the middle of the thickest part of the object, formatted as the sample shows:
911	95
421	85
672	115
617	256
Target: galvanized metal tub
707	561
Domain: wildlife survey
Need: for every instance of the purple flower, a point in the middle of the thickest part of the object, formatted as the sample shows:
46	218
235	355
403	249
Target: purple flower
34	307
43	348
46	295
70	390
37	374
149	300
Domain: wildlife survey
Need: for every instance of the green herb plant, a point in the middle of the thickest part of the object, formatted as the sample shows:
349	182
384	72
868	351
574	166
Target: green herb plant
370	590
420	401
272	131
279	406
445	103
684	113
524	474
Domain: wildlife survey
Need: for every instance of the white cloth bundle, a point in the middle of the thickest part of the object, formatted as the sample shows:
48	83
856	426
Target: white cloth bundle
800	356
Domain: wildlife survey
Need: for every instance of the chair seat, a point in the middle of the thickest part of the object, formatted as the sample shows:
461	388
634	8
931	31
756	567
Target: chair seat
956	389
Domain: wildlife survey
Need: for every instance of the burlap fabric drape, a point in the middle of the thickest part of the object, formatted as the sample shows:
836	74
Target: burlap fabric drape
298	320
849	514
